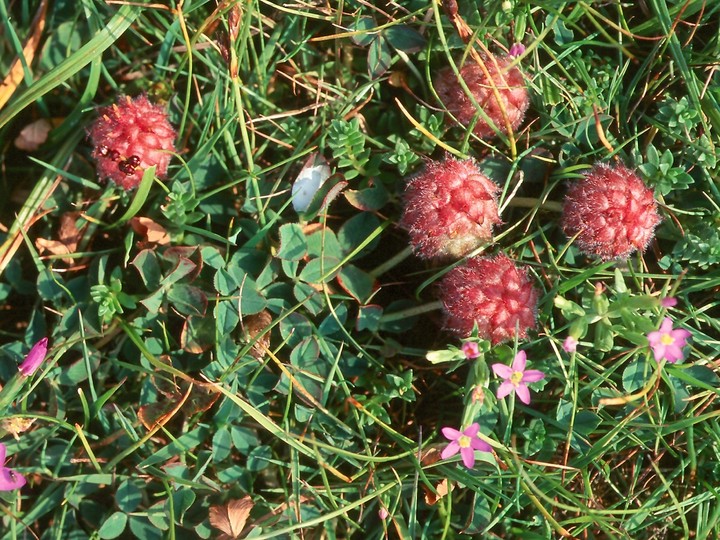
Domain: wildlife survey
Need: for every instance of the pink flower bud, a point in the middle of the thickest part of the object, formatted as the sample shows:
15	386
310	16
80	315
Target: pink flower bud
34	358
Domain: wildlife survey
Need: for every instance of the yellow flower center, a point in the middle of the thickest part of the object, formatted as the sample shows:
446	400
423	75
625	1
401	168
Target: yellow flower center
667	339
516	377
464	441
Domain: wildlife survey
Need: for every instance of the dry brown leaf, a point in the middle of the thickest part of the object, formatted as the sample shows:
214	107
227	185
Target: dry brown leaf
253	325
231	518
15	425
442	488
68	238
154	233
33	135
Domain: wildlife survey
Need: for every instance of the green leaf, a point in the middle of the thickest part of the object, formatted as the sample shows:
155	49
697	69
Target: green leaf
128	496
405	38
293	244
146	263
259	458
636	375
188	300
369	318
357	283
356	230
140	197
364	27
379	58
320	270
221	444
113	526
183	499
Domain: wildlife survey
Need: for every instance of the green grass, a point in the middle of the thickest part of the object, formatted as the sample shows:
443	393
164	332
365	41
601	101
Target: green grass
284	356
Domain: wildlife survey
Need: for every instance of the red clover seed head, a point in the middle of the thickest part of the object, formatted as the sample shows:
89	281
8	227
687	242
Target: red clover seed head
129	137
493	293
510	86
450	209
612	212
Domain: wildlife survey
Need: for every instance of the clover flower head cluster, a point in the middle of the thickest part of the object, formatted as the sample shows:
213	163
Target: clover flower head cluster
611	212
450	209
129	137
492	293
495	87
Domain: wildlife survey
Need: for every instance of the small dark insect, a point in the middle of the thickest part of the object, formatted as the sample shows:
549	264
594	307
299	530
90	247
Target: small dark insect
103	150
114	155
126	168
133	160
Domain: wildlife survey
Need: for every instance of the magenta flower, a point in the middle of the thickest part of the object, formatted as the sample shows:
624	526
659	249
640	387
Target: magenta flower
470	349
516	50
667	343
668	301
516	378
34	358
9	479
465	442
570	344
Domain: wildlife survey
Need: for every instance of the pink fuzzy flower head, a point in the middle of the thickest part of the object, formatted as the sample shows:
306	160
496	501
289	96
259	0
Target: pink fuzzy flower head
483	81
129	137
494	294
465	442
450	209
612	212
667	343
516	378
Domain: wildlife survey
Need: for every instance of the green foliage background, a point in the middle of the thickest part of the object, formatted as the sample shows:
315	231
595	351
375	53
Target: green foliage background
284	354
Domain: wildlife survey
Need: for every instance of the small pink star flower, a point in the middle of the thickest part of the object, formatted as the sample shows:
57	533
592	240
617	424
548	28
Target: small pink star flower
667	343
570	344
9	479
470	349
34	358
516	378
465	442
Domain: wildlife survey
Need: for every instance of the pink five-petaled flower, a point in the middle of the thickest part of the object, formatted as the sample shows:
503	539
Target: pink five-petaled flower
34	358
516	378
667	343
9	479
470	349
465	442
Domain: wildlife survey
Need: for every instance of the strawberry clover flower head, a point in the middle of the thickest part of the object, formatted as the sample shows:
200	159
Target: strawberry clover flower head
611	213
465	442
516	378
129	137
9	479
667	343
